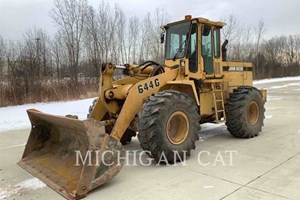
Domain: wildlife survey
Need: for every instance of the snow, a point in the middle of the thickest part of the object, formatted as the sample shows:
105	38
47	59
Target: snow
274	98
208	186
28	184
32	183
15	117
274	80
207	127
294	84
268	116
278	87
13	146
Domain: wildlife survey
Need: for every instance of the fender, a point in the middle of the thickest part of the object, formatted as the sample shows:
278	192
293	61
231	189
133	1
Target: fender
185	86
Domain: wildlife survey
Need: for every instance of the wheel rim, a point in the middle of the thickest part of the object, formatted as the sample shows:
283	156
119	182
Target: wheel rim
177	127
253	112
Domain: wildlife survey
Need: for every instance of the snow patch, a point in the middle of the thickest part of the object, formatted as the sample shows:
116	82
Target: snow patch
293	84
15	117
268	116
274	98
13	146
29	184
209	130
274	80
208	186
278	87
32	183
210	126
284	86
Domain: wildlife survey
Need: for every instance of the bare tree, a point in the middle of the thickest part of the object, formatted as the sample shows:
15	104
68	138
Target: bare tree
297	49
290	49
247	44
2	56
15	70
260	31
92	41
120	31
150	48
2	66
133	39
231	26
37	52
70	16
59	54
145	38
160	18
229	31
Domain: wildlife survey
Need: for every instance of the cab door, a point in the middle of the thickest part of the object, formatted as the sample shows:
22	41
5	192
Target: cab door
210	51
207	49
217	60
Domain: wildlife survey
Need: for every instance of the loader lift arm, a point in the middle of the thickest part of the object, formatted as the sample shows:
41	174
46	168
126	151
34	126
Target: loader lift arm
137	94
134	95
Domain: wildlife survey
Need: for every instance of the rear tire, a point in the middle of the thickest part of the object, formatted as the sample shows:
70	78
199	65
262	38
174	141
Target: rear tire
127	136
245	112
169	124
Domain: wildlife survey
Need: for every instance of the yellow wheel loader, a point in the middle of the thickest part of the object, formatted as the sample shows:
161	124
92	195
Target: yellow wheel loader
164	103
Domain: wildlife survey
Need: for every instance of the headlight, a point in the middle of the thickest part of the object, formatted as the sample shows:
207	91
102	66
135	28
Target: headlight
182	63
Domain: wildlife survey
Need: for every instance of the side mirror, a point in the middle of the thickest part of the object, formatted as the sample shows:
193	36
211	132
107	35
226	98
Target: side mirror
205	30
162	37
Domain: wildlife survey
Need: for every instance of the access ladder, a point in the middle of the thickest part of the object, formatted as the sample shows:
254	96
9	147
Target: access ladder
218	97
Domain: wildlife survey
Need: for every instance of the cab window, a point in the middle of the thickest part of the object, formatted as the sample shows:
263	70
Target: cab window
217	43
192	50
206	48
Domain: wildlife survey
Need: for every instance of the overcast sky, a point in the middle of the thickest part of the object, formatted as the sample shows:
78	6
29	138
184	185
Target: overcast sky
280	16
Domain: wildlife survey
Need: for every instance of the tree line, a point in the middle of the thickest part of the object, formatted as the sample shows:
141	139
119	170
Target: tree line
277	56
65	66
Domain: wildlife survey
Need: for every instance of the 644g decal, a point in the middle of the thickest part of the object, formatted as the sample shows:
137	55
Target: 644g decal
148	86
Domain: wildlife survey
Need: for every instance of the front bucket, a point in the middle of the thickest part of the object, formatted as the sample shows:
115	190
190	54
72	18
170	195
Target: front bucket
69	155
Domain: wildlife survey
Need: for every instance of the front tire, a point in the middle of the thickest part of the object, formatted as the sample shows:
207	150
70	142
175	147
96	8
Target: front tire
169	125
245	112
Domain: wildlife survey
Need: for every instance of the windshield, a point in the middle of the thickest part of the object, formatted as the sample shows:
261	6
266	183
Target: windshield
176	40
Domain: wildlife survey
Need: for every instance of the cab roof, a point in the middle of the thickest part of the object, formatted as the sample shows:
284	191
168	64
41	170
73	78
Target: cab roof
199	20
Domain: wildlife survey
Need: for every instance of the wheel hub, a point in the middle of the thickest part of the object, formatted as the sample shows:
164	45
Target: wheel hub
253	112
177	127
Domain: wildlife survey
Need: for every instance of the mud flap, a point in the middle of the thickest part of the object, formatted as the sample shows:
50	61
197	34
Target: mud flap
69	155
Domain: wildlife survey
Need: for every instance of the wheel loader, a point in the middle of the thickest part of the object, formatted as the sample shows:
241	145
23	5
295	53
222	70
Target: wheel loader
163	104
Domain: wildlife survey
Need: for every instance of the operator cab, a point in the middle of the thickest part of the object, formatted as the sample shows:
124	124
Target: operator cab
195	44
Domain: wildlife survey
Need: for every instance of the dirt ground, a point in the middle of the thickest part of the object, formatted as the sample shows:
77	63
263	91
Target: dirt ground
265	167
